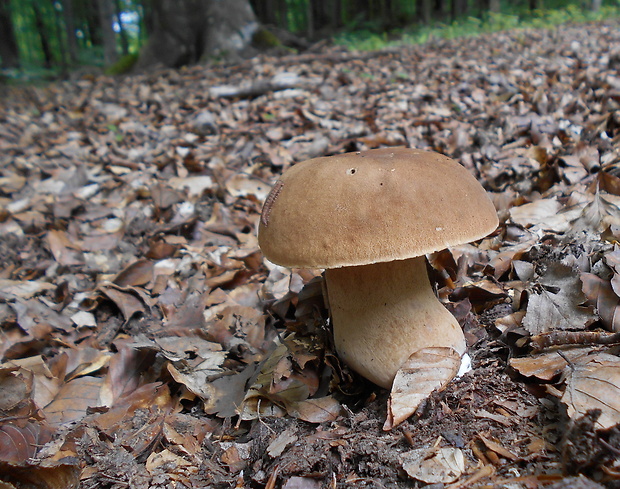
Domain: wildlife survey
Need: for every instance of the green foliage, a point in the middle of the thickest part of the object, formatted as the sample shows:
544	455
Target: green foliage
368	40
265	39
35	20
123	66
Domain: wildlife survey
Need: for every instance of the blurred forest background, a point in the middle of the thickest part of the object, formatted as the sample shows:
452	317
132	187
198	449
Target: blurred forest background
57	37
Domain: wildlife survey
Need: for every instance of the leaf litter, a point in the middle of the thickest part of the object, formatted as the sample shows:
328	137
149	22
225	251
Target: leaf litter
147	343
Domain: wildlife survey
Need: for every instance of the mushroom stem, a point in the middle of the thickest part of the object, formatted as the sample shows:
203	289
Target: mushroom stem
383	313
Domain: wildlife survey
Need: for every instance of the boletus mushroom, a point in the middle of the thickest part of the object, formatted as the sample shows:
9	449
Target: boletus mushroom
369	218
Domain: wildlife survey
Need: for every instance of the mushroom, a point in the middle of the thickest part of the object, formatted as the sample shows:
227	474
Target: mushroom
368	218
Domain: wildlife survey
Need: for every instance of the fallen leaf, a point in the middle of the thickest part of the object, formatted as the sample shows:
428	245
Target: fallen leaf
73	400
593	382
549	365
297	482
434	465
601	295
139	272
320	410
283	440
556	302
21	440
425	371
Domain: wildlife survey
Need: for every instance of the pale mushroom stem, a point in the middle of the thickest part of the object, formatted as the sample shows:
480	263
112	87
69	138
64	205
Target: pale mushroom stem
384	312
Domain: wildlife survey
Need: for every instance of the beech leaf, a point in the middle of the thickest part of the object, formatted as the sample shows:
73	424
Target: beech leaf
593	382
426	370
556	303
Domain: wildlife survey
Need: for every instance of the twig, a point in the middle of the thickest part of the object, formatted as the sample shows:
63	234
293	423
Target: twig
486	471
557	338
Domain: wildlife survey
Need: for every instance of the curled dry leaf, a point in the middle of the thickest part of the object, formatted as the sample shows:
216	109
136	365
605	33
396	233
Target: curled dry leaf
613	261
65	251
434	465
601	295
126	301
139	272
55	476
593	382
425	371
20	440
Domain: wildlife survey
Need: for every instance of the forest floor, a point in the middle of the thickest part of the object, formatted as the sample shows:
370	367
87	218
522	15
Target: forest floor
146	343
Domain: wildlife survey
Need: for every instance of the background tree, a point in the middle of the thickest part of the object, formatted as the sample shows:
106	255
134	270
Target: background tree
9	51
70	31
57	33
186	31
106	19
44	34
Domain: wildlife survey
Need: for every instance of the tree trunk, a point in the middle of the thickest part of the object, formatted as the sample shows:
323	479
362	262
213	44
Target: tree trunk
536	4
309	21
48	57
187	31
92	23
266	11
69	20
62	42
495	6
595	5
424	12
336	13
106	19
9	52
121	29
441	10
458	9
282	14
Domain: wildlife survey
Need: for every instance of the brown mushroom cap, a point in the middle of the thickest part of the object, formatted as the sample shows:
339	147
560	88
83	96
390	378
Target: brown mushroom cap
372	206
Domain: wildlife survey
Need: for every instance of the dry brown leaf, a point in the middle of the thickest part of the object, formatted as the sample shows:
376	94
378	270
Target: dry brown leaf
15	387
593	382
55	476
556	302
549	365
497	448
283	440
139	272
126	301
320	410
169	463
601	211
126	373
601	295
613	261
24	289
136	420
37	318
73	400
45	383
425	371
242	185
21	440
64	249
297	482
539	213
434	465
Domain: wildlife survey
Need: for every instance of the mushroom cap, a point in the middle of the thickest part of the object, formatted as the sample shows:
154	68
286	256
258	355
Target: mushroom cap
372	206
